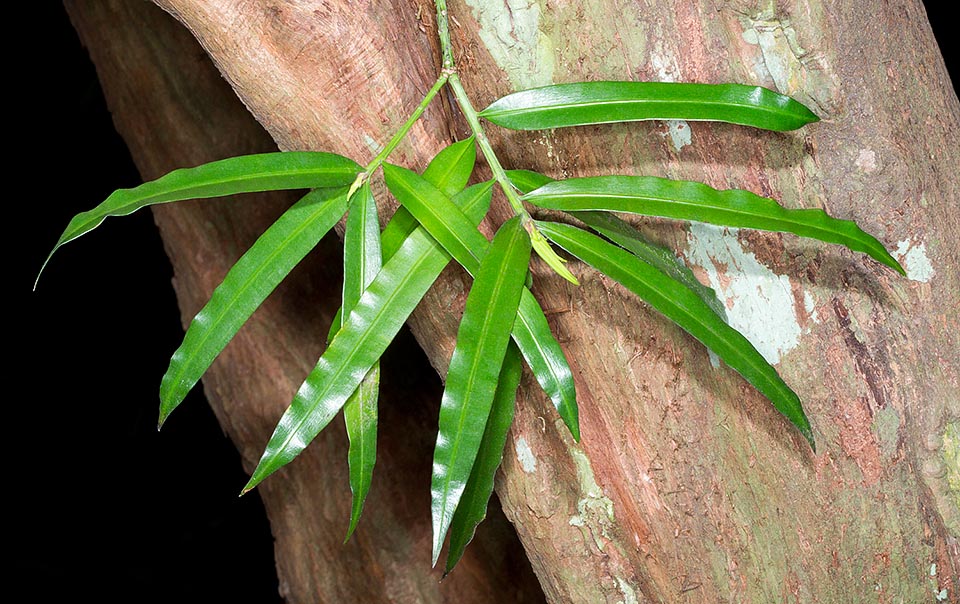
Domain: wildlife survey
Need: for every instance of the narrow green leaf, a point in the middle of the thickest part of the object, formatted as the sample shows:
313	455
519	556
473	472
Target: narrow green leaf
685	200
408	272
450	170
482	339
585	103
476	495
682	306
626	236
245	174
466	244
623	234
361	263
246	285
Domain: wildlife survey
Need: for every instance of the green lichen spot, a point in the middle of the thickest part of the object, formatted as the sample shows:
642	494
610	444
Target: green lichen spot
951	459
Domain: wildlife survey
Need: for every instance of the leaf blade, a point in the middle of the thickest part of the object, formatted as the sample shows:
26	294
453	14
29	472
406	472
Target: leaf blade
686	309
584	103
407	274
482	339
362	262
472	508
247	284
451	168
686	200
244	174
463	241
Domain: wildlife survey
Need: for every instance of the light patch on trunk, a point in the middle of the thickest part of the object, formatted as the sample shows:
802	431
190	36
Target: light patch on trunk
594	509
679	132
913	258
528	461
511	32
760	304
629	594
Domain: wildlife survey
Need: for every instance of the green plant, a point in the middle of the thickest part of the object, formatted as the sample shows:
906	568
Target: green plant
387	272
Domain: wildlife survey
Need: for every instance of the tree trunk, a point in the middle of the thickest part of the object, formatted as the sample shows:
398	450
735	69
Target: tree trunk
686	486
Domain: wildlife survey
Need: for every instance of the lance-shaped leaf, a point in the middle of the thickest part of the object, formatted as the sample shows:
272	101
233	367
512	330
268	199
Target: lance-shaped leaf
626	236
466	244
482	339
682	306
246	285
367	331
472	508
450	170
361	262
685	200
623	234
245	174
584	103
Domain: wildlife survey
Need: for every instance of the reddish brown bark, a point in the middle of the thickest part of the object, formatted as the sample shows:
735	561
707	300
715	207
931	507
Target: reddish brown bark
686	486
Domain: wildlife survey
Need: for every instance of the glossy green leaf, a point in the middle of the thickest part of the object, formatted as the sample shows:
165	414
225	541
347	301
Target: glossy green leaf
246	286
466	244
682	306
623	234
626	236
685	200
585	103
408	272
472	508
450	170
361	263
474	371
245	174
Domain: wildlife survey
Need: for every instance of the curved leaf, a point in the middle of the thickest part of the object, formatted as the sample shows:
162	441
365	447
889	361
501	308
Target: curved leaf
450	170
472	508
585	103
685	200
626	236
246	285
466	244
384	306
361	262
245	174
623	234
482	339
679	304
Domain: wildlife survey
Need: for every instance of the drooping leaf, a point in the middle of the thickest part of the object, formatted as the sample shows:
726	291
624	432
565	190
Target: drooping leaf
367	331
482	339
450	170
466	244
626	236
623	234
408	272
246	285
361	263
682	306
245	174
585	103
472	508
685	200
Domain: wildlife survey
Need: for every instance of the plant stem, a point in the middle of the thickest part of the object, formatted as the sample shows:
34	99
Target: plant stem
540	244
398	136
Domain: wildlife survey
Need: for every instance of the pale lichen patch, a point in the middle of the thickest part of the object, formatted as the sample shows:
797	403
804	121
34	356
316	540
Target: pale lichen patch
913	258
510	30
528	461
866	160
629	593
760	303
594	509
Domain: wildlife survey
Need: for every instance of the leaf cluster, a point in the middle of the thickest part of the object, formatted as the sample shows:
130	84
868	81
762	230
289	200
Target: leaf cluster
388	270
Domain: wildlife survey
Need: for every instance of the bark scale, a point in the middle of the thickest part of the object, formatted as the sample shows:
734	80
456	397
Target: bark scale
686	486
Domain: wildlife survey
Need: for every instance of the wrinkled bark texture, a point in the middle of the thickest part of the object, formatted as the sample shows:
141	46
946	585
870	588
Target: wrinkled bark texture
687	486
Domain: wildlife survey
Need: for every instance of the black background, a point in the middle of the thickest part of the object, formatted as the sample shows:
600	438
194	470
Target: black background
103	505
